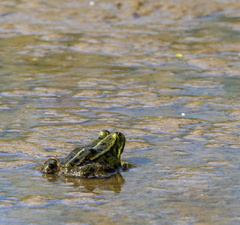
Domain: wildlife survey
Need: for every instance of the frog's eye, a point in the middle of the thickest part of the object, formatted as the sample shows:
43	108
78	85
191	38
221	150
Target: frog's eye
103	134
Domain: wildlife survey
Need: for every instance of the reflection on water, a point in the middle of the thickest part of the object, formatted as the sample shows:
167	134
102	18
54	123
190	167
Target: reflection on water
166	74
113	183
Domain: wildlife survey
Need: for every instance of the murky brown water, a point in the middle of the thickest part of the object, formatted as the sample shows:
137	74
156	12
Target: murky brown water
164	74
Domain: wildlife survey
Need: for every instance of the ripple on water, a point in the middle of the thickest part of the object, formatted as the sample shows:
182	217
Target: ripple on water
37	200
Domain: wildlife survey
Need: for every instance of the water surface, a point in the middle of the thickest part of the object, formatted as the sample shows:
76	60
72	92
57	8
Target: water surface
164	74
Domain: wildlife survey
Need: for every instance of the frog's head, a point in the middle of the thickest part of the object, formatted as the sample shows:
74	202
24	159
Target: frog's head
113	143
51	166
120	141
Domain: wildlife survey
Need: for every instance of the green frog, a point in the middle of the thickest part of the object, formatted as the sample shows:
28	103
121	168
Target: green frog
100	158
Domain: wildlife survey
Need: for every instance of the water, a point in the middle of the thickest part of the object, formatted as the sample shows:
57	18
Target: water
164	74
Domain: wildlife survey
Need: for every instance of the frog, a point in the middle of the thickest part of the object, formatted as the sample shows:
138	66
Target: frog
100	158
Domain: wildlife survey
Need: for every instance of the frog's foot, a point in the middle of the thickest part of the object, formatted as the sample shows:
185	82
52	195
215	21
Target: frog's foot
51	166
126	165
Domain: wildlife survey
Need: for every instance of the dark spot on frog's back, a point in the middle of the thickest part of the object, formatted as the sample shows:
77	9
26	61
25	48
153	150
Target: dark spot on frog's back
91	169
93	151
102	144
76	160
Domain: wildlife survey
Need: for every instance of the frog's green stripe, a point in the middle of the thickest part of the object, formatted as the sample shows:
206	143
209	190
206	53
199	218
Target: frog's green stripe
77	152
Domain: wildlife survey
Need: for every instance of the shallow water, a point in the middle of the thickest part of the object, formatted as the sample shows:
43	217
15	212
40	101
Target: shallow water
164	74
